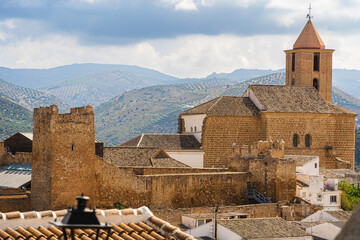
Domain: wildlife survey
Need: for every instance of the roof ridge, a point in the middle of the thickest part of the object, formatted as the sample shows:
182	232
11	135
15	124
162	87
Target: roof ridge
213	105
199	105
142	135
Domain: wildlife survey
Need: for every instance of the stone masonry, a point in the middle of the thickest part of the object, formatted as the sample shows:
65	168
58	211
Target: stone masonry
63	157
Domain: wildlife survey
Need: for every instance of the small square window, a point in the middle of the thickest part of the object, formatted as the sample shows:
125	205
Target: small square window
333	199
200	222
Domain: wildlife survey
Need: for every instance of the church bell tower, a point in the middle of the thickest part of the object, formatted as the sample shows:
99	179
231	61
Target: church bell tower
309	63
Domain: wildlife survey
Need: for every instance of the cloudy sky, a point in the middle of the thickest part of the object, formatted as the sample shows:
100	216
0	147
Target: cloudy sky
183	38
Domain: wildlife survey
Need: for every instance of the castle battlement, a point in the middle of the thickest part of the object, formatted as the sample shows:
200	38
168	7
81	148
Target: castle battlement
77	114
53	109
263	149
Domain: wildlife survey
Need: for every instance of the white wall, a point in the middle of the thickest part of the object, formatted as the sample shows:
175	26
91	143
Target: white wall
188	221
327	205
312	167
316	188
194	159
324	230
192	121
206	229
225	234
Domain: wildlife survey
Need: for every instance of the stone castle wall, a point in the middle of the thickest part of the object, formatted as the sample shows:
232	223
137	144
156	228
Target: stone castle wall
63	157
18	157
168	190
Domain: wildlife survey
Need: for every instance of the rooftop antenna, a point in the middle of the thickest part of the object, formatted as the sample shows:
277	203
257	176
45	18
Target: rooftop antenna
309	14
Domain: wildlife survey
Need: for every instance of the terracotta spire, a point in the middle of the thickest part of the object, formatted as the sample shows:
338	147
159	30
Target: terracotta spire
309	38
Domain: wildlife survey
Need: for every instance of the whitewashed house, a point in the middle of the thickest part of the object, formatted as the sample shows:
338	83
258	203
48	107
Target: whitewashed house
312	186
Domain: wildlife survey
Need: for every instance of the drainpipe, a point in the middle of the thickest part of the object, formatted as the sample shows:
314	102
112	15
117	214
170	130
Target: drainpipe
215	222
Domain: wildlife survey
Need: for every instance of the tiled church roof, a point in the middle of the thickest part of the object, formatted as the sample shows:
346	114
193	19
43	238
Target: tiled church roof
165	141
139	157
128	224
309	38
225	106
272	98
293	99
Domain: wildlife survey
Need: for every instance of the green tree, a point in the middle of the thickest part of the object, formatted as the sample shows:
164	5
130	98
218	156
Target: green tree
350	197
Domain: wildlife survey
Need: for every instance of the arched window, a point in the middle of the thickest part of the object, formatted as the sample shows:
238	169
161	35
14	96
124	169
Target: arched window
191	129
195	128
316	83
307	140
295	140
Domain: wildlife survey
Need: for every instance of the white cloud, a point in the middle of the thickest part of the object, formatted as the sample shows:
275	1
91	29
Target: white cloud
321	9
185	5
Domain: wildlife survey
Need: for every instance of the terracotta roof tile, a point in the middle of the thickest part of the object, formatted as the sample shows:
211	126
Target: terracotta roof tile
25	233
111	212
157	229
55	230
31	214
127	212
12	215
60	213
14	234
5	235
45	213
126	228
309	38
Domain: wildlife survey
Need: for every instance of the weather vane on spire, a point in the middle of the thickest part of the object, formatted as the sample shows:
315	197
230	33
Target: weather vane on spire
309	14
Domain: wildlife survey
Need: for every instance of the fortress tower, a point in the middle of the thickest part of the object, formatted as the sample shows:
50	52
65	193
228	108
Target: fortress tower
309	63
63	157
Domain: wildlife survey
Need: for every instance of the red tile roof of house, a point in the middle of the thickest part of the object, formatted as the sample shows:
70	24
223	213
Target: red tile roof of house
128	224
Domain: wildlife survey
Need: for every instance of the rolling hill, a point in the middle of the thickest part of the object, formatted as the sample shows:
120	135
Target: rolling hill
13	118
99	87
37	78
29	98
156	108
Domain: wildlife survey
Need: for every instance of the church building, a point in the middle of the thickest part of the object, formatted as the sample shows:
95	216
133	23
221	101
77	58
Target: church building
299	112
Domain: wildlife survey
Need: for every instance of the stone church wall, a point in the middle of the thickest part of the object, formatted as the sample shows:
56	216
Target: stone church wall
331	135
335	131
220	133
